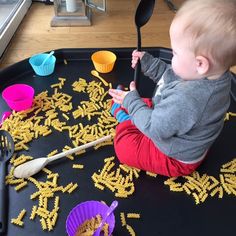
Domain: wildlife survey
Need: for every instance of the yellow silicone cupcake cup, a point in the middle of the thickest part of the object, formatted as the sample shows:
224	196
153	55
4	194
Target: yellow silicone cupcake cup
103	61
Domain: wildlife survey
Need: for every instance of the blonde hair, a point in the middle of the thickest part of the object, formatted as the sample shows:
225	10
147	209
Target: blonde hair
212	27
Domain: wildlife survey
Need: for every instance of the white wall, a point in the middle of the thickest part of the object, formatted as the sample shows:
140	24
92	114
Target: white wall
11	27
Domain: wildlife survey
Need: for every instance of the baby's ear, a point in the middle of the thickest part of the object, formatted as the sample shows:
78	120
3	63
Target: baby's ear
202	65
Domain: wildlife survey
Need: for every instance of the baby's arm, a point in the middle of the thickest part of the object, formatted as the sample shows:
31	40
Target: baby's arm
152	67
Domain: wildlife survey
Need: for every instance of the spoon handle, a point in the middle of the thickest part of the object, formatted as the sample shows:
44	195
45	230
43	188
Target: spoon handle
2	198
77	149
104	217
47	57
104	81
136	75
139	42
111	209
138	66
5	115
96	74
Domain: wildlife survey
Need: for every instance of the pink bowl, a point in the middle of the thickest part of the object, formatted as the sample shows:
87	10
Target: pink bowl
18	97
85	211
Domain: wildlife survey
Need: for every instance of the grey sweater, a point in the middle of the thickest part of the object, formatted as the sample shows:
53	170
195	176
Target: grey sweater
187	115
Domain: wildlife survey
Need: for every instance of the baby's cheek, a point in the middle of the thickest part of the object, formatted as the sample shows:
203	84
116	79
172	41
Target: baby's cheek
174	65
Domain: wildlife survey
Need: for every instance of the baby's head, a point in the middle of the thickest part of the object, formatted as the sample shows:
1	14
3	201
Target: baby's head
204	31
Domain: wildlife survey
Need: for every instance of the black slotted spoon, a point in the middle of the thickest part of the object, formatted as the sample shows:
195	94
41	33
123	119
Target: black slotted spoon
6	151
143	14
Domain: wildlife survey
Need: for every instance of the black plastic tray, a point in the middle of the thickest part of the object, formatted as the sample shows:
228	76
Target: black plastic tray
163	212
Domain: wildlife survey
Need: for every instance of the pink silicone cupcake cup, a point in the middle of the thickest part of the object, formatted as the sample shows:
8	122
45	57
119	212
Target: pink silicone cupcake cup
85	211
18	97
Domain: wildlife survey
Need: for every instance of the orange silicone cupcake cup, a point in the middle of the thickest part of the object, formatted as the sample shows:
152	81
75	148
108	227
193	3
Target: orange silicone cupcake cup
103	61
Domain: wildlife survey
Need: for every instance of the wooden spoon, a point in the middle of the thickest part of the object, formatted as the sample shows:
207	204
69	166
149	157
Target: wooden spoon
32	167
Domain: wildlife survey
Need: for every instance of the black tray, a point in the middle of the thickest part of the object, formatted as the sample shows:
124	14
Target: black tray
162	212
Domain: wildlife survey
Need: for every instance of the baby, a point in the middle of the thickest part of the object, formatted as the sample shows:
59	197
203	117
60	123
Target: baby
171	133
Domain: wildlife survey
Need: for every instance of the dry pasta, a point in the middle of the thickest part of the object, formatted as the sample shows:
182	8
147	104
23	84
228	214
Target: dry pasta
88	227
45	190
21	185
122	219
130	230
18	220
228	114
151	174
119	181
133	215
77	166
72	188
201	187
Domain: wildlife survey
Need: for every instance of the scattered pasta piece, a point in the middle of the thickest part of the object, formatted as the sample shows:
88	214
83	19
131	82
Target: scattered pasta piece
130	230
52	153
77	166
21	185
122	219
18	220
151	174
228	114
133	215
72	188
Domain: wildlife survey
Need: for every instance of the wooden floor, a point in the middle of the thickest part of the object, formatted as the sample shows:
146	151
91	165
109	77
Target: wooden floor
114	28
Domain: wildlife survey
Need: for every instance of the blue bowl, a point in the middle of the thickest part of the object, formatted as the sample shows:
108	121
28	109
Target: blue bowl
43	70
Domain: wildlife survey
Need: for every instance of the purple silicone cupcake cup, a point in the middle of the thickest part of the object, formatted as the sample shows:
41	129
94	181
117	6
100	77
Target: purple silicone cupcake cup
85	211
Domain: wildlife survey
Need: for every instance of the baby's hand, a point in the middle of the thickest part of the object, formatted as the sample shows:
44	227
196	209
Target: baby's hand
136	55
119	95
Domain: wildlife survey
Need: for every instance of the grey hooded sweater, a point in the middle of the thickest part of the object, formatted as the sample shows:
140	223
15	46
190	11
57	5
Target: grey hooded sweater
187	115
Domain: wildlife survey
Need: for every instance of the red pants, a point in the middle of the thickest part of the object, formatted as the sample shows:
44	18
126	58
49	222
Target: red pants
135	149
